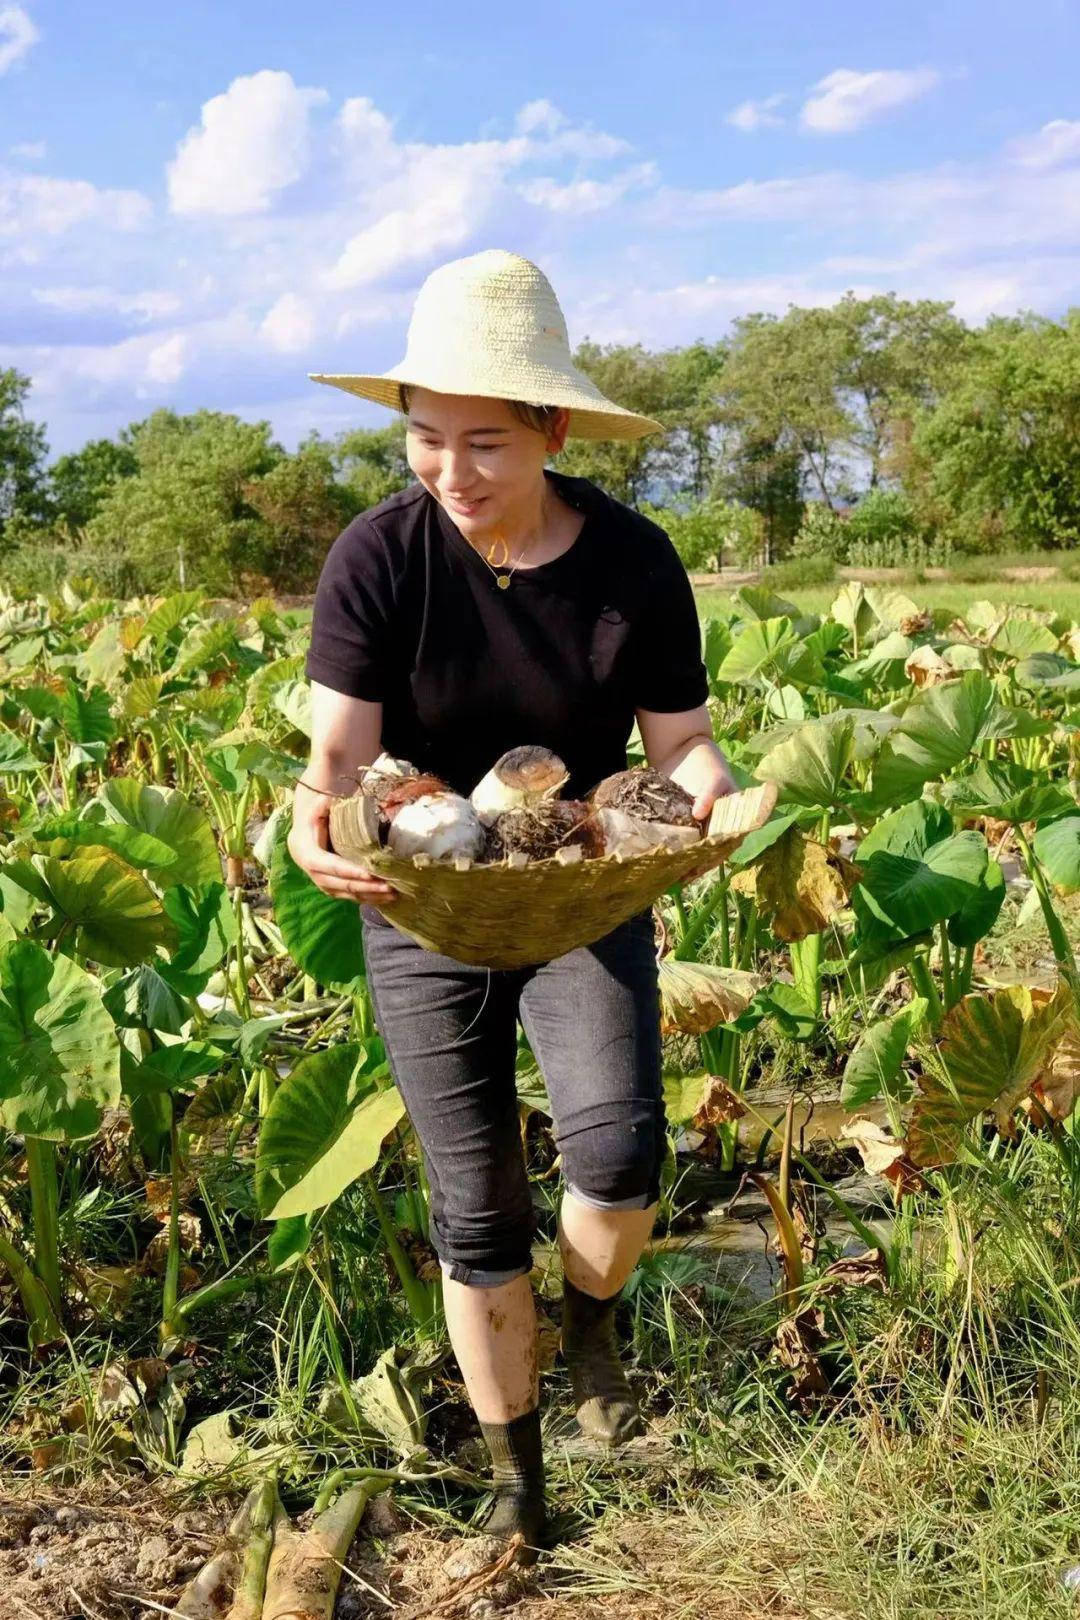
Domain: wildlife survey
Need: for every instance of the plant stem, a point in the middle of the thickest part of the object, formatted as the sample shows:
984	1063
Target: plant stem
44	1200
1058	938
171	1287
45	1328
947	981
923	982
806	969
419	1299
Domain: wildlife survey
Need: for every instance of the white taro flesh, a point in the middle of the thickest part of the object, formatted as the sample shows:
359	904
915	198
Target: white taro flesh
623	834
437	824
522	778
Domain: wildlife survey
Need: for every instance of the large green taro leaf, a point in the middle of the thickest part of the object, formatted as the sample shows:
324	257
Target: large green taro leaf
1047	672
205	924
809	766
1057	849
115	917
321	933
915	872
168	816
323	1129
978	915
939	729
1023	638
1007	792
876	1057
59	1050
63	833
768	650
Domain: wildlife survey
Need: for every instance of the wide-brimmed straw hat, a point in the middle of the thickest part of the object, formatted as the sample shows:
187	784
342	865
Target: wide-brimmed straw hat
490	324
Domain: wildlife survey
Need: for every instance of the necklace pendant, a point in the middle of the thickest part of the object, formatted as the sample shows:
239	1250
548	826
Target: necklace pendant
503	581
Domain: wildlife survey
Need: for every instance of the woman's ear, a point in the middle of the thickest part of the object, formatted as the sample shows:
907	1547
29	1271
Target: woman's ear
559	427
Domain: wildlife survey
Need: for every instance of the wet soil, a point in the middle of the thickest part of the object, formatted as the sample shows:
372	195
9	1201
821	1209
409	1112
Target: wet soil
116	1550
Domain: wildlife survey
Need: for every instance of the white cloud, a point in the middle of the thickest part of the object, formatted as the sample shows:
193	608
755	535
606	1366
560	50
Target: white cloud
254	139
587	196
32	151
539	117
37	206
144	306
844	101
290	325
17	33
751	115
165	361
233	292
1057	142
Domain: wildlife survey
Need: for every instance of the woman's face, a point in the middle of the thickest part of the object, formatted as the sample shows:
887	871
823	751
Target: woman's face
475	457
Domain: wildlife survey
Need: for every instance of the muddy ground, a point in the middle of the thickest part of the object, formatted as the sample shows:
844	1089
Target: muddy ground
114	1549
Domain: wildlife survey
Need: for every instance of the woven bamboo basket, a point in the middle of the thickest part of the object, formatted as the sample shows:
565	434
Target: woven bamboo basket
518	912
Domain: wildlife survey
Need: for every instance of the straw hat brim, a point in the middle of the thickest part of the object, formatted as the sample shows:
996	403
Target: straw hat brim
591	415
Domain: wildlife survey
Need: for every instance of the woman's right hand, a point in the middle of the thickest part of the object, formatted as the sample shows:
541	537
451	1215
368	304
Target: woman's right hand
309	845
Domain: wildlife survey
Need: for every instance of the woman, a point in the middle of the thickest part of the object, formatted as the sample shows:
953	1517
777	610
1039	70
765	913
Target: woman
495	603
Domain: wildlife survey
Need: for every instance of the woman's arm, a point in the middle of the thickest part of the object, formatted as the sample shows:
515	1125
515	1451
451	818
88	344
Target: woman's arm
681	746
345	734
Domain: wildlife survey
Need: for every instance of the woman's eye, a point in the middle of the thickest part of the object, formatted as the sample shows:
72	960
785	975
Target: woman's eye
433	444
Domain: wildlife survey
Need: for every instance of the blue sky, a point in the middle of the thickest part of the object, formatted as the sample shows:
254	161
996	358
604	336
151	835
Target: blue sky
201	203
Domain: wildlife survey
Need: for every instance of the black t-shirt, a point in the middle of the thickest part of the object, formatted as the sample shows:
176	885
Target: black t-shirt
408	614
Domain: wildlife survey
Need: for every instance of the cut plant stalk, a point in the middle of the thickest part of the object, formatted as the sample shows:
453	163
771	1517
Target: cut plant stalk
247	1603
305	1566
206	1595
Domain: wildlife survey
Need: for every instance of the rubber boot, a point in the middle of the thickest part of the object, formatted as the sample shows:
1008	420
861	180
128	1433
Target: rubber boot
606	1408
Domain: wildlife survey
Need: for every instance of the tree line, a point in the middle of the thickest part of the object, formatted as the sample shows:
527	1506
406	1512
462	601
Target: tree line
874	416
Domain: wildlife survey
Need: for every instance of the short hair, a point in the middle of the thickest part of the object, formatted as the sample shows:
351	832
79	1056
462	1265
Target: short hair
539	417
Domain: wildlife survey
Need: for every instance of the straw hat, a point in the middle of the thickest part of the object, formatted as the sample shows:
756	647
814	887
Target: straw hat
490	324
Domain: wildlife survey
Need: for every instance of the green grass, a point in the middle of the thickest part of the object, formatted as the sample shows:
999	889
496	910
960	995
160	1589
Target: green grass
1056	595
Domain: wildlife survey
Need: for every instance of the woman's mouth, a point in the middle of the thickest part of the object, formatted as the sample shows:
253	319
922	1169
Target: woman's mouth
467	508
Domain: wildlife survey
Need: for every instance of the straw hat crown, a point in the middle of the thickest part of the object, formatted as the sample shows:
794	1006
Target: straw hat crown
490	325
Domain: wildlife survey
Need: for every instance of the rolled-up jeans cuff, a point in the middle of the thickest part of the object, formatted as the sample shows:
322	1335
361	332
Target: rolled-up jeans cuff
476	1277
639	1200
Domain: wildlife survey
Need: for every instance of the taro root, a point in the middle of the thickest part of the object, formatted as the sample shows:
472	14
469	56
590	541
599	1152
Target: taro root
391	783
438	824
645	794
522	779
536	830
614	832
384	774
407	789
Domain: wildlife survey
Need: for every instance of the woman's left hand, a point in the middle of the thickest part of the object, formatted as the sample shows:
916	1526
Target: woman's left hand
708	778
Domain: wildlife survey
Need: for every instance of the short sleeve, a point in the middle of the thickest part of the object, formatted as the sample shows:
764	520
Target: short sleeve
353	606
669	671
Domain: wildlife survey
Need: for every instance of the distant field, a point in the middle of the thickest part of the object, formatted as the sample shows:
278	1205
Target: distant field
1059	595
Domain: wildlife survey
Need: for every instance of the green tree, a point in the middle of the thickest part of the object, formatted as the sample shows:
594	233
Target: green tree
895	358
184	517
625	468
370	463
304	509
80	481
23	448
996	464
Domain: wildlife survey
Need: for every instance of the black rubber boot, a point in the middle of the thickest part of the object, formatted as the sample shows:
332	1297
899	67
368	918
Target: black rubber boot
606	1409
517	1467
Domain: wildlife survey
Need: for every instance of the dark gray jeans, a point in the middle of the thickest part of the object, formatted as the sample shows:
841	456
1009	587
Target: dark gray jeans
592	1020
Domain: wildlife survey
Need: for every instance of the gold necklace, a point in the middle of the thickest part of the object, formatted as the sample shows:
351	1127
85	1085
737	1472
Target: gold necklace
502	580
